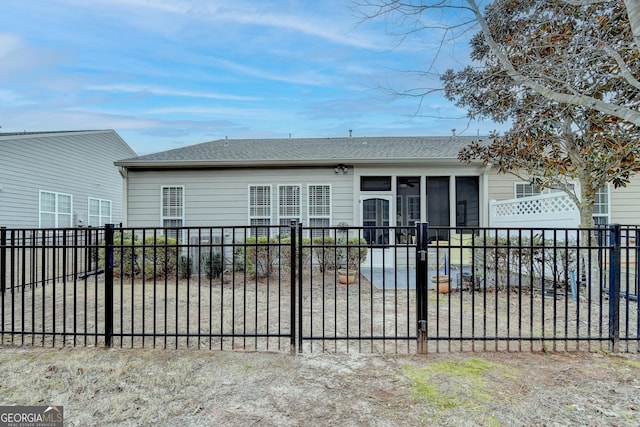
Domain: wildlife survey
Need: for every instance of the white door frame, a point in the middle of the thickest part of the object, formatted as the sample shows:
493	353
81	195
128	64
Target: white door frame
381	256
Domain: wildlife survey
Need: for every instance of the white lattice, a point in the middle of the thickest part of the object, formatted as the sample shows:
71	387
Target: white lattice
535	205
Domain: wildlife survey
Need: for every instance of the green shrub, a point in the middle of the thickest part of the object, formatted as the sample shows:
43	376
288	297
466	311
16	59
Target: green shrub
155	257
261	256
351	252
184	267
212	264
285	252
160	256
324	253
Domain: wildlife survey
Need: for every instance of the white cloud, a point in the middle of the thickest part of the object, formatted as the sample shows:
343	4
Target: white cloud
18	57
156	90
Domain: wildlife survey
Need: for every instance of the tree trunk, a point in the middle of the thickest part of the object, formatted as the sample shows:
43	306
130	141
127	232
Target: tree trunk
633	12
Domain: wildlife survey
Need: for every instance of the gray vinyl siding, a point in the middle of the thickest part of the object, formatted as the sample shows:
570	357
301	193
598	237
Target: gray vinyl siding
502	185
625	203
75	163
219	197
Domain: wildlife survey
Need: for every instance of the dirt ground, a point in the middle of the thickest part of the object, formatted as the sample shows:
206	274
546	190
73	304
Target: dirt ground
134	387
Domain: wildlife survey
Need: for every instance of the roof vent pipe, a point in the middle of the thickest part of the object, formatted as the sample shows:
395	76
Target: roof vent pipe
350	133
454	131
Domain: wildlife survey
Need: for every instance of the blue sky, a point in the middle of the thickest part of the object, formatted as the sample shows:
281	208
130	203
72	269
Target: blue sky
166	74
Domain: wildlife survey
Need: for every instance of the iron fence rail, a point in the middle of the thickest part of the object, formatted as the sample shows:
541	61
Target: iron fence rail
416	289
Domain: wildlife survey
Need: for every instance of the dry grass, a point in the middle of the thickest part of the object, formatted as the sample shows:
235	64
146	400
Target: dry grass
200	387
235	313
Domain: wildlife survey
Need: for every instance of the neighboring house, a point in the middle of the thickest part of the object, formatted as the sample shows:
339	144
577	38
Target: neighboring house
61	179
358	181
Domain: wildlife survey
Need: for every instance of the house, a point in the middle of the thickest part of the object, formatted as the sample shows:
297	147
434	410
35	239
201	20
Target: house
61	179
355	181
372	181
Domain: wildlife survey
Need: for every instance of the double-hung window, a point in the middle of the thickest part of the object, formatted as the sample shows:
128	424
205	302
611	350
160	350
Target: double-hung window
526	189
99	212
260	208
601	206
319	207
55	210
172	209
289	208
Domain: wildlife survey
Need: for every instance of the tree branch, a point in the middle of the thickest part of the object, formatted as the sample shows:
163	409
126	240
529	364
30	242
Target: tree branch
622	112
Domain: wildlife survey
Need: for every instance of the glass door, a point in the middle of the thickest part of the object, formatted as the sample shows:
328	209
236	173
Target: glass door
375	211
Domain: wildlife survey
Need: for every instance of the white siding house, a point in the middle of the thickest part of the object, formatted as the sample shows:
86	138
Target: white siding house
61	179
357	181
319	181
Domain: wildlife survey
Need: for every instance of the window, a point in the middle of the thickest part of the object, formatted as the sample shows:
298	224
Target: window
260	208
288	206
99	212
601	206
173	209
319	207
375	183
55	210
525	189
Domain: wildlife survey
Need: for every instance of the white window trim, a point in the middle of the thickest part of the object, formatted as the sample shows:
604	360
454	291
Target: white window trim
56	211
101	218
162	216
515	189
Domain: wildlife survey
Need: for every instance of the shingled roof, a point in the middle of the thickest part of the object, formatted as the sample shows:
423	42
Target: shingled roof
305	151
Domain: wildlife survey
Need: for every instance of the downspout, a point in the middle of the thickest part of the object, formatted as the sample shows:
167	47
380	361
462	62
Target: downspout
125	194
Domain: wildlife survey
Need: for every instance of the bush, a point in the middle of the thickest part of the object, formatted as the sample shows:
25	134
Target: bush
285	252
503	260
212	264
324	253
160	256
261	256
351	252
184	267
156	257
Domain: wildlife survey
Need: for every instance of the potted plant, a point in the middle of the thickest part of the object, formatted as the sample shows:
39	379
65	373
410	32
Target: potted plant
441	283
350	253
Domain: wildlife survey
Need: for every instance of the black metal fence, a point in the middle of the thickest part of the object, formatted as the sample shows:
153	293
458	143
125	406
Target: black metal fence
299	288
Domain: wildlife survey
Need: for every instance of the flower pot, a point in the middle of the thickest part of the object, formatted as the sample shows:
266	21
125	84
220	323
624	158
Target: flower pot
441	283
347	277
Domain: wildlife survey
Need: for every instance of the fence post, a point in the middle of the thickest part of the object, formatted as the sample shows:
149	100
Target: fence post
3	259
615	242
108	284
422	286
292	272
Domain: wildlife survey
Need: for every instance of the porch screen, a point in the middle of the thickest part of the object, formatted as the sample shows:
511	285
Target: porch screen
438	211
467	201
